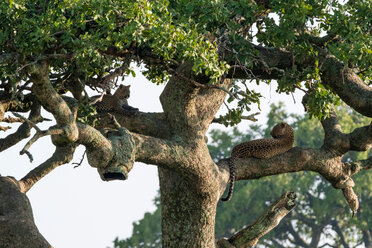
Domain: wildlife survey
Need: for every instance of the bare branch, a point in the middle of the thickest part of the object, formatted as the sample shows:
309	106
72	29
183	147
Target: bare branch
81	160
4	128
61	155
340	233
38	135
24	130
297	238
249	236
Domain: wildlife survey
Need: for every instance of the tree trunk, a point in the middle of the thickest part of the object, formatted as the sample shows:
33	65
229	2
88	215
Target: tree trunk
188	216
17	227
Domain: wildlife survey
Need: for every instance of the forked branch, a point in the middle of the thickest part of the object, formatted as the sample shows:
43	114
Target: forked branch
61	155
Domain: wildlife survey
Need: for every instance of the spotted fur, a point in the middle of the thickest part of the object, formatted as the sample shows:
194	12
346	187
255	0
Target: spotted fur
115	102
282	141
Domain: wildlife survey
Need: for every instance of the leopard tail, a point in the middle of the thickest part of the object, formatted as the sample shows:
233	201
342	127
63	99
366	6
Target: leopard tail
232	180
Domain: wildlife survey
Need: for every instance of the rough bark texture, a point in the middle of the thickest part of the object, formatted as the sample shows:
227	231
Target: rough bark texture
17	227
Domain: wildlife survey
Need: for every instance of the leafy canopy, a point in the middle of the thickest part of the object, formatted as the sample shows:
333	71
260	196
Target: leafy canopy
88	39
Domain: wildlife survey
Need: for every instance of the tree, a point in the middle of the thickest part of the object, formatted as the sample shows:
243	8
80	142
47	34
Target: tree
205	51
320	217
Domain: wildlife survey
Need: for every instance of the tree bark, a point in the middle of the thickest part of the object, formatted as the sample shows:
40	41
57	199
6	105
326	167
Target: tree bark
17	227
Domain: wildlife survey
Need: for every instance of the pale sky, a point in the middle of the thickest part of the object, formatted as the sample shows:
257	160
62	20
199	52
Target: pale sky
73	208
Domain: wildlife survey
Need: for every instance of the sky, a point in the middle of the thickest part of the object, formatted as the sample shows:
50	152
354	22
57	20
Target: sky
74	208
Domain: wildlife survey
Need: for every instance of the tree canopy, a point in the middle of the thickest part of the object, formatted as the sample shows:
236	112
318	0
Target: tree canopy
208	53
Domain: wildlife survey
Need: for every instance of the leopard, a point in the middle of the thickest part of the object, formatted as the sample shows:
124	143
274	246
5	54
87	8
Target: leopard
282	140
118	102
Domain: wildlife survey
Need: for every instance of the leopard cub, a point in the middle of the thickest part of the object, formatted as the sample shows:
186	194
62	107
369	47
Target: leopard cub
118	102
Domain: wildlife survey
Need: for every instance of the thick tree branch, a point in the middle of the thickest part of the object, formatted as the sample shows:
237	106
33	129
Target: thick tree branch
299	159
249	236
151	124
271	63
61	155
334	139
53	103
347	85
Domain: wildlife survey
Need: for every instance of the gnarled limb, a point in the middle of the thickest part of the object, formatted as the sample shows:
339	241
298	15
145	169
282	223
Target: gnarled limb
249	236
53	102
272	63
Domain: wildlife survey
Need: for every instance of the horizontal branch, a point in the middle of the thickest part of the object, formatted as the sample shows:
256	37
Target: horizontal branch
299	159
151	124
249	236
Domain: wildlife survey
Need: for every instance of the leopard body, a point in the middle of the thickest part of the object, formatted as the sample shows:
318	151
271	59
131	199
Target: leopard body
115	102
282	141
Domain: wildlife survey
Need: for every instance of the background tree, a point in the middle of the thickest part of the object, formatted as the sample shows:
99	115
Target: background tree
205	51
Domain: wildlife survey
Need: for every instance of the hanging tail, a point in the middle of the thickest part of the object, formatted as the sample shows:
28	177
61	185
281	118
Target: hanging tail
232	180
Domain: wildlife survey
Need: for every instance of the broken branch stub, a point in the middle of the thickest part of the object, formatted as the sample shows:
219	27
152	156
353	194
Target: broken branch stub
123	159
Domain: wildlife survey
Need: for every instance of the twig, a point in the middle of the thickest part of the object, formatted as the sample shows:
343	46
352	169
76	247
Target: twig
4	128
32	124
38	135
81	161
98	99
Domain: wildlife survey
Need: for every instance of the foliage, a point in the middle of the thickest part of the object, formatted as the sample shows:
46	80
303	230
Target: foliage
146	232
78	37
317	200
81	31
